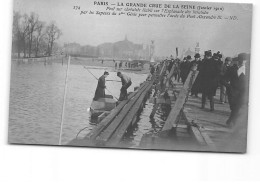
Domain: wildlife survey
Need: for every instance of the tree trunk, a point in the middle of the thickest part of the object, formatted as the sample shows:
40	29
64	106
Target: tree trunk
19	48
24	49
35	50
30	45
51	48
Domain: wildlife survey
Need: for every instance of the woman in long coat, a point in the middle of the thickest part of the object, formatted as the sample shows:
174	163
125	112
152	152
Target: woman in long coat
100	90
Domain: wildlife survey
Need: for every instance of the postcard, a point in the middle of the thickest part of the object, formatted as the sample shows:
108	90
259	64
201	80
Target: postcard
156	75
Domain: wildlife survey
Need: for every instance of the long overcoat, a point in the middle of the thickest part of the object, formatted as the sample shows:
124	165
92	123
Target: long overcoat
100	90
209	79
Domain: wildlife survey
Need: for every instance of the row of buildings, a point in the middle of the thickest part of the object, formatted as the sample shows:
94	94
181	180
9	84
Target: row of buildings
124	49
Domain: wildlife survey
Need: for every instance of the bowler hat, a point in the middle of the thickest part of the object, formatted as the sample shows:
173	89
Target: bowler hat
208	53
228	59
188	57
242	57
197	55
118	73
216	56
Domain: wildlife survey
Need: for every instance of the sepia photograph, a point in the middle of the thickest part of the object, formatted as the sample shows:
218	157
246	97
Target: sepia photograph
149	75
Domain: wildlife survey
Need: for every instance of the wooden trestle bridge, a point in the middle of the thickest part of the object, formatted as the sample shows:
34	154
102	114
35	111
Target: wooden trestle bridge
188	127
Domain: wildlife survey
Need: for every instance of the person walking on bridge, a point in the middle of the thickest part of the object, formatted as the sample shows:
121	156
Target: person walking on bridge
209	79
185	68
126	83
196	85
100	90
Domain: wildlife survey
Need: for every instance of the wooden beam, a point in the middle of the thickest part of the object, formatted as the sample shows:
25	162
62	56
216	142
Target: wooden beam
173	116
201	136
169	76
102	116
194	131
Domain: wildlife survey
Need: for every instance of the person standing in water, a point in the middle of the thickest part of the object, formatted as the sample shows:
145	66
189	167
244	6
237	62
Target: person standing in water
100	90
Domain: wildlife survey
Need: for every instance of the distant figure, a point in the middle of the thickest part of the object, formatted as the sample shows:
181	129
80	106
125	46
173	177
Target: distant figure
152	69
102	61
126	83
120	65
115	65
100	91
236	84
129	65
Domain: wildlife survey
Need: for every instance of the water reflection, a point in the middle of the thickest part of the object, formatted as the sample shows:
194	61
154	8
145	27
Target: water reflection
146	124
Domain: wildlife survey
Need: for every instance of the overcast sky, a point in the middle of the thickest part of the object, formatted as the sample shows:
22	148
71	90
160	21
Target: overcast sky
229	37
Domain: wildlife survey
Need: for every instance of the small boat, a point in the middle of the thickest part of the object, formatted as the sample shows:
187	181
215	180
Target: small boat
102	105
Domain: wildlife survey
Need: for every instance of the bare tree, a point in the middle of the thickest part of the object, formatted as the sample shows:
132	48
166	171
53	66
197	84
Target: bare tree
38	37
16	32
24	33
30	34
20	32
53	33
32	24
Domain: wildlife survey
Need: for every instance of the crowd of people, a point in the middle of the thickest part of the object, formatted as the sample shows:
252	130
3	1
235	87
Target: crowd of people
215	73
230	77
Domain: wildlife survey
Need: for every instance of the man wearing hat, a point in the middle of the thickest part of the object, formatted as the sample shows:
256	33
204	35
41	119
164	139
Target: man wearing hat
196	85
225	67
185	68
209	79
126	83
217	58
236	83
100	90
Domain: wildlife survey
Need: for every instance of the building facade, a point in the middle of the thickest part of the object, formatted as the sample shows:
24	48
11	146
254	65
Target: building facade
124	49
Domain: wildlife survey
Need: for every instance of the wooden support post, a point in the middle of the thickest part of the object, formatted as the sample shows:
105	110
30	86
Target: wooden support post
201	137
173	116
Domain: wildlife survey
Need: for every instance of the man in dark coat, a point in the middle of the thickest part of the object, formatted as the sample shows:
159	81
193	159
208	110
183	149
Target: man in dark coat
126	83
225	67
196	85
209	79
170	65
185	68
236	84
152	69
100	90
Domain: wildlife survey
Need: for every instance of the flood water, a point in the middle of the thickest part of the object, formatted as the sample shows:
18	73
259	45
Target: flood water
36	99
